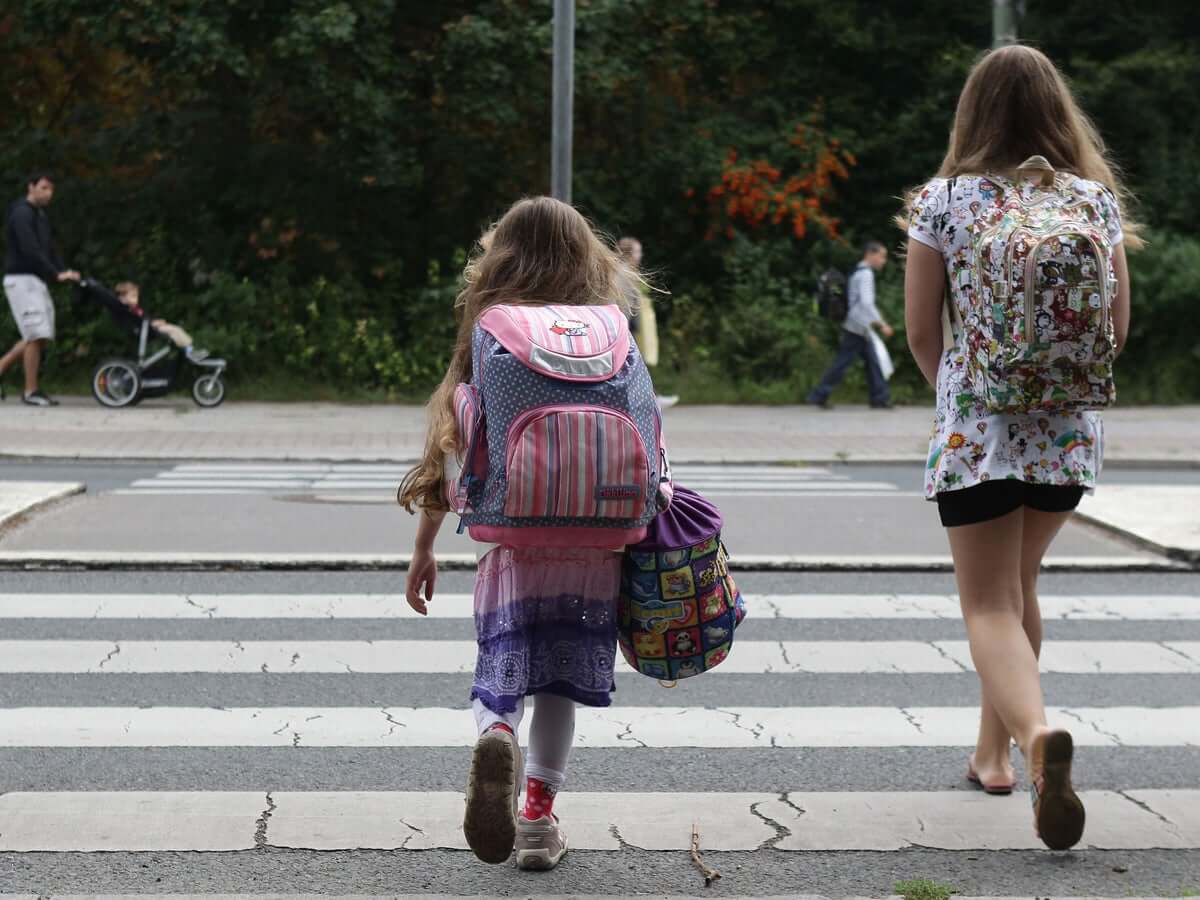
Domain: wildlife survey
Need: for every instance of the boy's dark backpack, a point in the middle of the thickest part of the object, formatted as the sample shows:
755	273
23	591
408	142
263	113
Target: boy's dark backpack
831	295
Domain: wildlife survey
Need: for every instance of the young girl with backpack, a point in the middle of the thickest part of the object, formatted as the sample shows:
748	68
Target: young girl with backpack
544	435
1017	303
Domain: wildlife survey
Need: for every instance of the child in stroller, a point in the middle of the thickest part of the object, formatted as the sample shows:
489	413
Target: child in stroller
119	381
129	293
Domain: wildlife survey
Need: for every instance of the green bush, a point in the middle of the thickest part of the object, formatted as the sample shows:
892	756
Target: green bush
1161	363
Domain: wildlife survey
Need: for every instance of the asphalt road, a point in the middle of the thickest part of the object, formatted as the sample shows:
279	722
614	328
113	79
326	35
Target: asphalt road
306	508
204	765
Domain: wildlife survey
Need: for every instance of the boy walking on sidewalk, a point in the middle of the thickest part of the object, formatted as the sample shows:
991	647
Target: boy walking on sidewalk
862	315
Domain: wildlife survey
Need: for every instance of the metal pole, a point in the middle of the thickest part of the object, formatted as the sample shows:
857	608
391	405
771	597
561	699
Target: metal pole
1004	23
563	97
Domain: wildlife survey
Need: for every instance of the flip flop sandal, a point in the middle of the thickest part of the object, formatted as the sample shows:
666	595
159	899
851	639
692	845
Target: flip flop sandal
996	789
1058	813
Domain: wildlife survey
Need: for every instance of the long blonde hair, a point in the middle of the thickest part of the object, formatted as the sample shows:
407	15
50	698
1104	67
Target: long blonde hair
1014	105
542	251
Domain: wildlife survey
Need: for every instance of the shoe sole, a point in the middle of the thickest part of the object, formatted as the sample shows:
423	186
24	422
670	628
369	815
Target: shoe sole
490	823
993	790
1060	816
539	860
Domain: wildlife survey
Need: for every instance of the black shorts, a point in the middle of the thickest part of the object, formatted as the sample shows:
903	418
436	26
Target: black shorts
993	499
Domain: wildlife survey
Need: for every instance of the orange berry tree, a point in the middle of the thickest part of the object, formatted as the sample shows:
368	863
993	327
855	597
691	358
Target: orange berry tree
786	186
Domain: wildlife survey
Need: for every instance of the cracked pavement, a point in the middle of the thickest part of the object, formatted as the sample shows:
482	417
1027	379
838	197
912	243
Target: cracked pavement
757	784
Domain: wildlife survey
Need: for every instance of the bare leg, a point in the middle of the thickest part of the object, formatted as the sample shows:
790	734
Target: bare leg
992	759
10	358
988	567
32	362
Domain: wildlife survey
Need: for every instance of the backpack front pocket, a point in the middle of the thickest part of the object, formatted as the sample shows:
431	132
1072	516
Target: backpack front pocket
575	462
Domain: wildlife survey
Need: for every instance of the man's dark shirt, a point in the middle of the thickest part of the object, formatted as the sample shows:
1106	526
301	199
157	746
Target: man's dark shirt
30	249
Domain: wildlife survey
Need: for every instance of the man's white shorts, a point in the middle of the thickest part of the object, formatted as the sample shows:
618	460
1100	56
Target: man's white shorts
32	306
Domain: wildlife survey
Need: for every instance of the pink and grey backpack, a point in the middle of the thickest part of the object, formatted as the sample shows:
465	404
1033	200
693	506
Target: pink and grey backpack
562	430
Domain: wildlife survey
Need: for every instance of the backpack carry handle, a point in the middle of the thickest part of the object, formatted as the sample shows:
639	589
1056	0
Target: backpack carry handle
1040	166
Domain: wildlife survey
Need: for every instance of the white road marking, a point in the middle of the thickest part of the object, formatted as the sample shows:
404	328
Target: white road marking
442	657
219	483
661	727
739	480
133	821
1083	608
324	820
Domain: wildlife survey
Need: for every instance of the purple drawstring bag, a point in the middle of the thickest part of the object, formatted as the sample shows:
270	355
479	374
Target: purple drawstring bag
679	605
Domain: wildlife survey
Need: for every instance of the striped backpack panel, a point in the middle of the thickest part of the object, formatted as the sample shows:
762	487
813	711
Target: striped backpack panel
566	441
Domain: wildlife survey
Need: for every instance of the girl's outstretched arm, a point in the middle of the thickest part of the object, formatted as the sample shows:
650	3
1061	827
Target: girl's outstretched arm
422	570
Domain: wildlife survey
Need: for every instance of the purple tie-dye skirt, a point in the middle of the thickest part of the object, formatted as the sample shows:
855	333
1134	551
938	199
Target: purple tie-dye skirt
545	620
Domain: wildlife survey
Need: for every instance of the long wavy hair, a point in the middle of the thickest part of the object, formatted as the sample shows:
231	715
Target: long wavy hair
1014	105
542	251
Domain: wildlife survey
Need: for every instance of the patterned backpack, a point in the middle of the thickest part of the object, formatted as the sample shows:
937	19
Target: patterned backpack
564	437
679	606
1040	334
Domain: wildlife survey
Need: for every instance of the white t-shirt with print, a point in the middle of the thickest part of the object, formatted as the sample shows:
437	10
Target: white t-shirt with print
968	445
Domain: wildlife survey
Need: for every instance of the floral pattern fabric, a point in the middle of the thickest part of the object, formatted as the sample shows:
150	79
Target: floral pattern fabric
969	445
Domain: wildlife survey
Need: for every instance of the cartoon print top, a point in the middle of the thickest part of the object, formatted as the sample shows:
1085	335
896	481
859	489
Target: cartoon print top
969	446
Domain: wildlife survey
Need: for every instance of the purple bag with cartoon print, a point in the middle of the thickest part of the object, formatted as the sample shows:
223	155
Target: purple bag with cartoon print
679	606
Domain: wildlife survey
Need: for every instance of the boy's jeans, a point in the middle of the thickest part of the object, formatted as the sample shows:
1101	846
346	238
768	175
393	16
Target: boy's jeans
853	346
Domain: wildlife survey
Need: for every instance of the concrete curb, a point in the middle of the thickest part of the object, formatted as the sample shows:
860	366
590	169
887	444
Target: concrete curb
1181	555
464	562
30	496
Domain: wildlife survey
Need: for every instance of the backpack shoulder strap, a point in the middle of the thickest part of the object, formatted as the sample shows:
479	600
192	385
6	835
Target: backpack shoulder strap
951	321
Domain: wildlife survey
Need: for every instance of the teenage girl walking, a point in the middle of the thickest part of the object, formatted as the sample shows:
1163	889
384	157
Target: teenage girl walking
1005	483
545	617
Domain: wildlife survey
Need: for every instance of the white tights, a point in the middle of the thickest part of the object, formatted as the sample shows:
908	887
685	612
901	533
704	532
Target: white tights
550	734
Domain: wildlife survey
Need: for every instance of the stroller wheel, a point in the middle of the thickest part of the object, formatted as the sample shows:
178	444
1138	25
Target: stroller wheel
116	383
208	391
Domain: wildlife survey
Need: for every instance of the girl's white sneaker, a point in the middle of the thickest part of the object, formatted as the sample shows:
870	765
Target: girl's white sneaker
490	820
541	843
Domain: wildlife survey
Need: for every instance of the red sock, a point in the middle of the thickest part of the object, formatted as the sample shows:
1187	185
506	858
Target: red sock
499	726
539	798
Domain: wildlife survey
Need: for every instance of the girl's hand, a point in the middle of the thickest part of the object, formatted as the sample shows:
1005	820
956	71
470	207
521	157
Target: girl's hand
422	573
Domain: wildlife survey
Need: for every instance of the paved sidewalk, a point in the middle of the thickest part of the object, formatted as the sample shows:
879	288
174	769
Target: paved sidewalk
1164	518
176	429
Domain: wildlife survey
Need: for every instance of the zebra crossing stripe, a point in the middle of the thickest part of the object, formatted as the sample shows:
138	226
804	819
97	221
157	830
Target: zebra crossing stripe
399	469
1083	608
799	821
741	480
613	727
458	657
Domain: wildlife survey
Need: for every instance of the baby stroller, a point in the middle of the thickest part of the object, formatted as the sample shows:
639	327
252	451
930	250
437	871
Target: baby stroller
122	381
